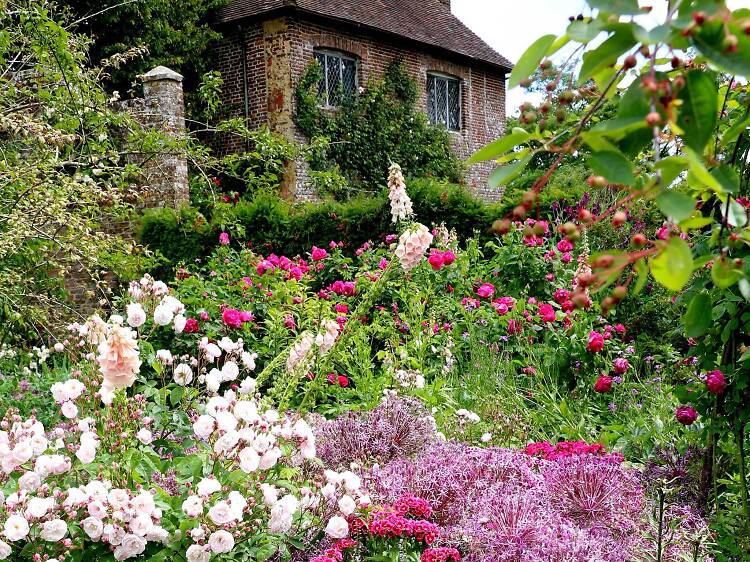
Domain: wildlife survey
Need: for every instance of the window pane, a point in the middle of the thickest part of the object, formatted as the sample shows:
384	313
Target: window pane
321	58
431	115
441	101
454	105
348	76
334	80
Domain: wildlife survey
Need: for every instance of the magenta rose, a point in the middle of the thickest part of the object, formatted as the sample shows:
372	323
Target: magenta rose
232	318
486	290
715	382
686	415
547	313
603	384
596	342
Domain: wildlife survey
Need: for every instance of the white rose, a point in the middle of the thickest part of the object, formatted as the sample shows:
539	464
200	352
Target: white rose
16	528
213	380
54	530
221	513
131	545
352	482
208	486
193	506
183	374
136	315
203	426
270	494
143	503
144	436
269	458
141	525
248	386
347	505
69	410
179	323
249	460
221	541
226	421
30	481
163	315
39	507
197	553
230	370
5	550
73	388
86	454
337	527
93	527
118	498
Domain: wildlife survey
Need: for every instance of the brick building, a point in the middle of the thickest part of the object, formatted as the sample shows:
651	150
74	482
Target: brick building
269	44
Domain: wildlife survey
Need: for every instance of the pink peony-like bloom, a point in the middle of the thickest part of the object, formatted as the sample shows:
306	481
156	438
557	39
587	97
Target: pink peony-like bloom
232	318
596	342
566	257
486	290
223	238
246	316
448	257
119	360
603	384
191	326
564	245
547	313
716	382
318	253
561	295
686	415
621	365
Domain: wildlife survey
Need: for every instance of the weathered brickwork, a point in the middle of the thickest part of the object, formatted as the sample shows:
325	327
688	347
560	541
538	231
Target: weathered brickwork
284	47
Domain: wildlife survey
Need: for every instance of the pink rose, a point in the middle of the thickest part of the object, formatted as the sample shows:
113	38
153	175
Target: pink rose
547	313
715	382
603	384
318	253
596	342
223	238
232	318
621	365
448	257
436	260
686	415
486	290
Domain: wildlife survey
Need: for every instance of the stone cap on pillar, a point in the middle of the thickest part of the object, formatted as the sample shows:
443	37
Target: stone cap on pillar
161	73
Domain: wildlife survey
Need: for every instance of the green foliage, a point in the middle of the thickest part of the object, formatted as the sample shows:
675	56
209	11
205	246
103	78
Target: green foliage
271	224
175	33
368	131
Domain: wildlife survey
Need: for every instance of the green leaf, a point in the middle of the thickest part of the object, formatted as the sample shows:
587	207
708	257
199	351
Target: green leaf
674	265
583	31
697	318
504	174
658	34
737	128
698	172
727	178
678	206
500	146
530	60
698	114
670	168
709	40
606	53
613	166
624	7
698	221
723	273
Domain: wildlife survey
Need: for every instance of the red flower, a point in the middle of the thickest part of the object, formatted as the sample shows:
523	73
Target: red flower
596	342
343	381
603	384
686	415
715	382
191	326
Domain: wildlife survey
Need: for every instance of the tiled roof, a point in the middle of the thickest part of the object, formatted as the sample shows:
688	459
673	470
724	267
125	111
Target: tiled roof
426	21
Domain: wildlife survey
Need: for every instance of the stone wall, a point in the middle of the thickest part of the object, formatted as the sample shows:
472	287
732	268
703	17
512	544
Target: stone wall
283	49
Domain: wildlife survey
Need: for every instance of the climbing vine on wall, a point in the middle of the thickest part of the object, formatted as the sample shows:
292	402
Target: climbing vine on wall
381	124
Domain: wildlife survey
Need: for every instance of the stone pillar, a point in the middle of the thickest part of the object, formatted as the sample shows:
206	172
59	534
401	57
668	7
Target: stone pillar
164	109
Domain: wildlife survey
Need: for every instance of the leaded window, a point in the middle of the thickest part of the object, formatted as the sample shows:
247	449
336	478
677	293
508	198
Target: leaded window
339	80
444	101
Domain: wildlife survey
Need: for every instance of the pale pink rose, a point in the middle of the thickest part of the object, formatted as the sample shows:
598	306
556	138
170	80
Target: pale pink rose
221	541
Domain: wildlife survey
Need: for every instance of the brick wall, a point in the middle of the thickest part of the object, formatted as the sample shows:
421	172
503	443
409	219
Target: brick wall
284	48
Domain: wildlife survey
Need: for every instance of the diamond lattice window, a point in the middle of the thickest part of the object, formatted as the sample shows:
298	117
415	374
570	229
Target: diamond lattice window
339	80
444	101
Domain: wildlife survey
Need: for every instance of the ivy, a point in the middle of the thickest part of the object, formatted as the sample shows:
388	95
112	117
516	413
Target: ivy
368	131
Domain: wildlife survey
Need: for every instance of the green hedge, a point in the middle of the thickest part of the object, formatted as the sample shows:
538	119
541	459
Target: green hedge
270	224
